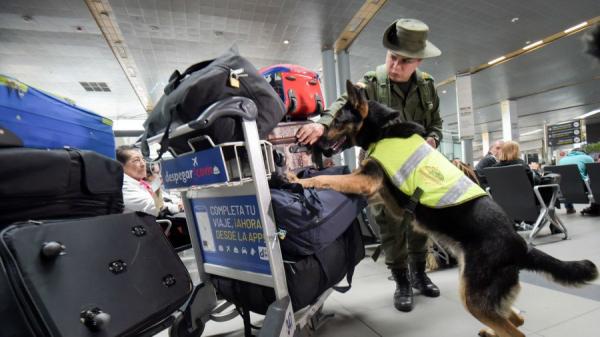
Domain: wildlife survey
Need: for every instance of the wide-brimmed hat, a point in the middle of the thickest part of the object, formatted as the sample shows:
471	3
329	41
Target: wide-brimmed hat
408	37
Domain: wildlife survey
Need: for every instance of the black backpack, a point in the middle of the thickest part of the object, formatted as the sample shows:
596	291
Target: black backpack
191	92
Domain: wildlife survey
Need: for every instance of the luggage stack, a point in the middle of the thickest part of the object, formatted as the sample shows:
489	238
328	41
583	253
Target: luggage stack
71	264
231	120
237	245
322	244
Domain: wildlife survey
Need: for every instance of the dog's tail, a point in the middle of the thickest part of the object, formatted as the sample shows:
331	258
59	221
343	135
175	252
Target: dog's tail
568	273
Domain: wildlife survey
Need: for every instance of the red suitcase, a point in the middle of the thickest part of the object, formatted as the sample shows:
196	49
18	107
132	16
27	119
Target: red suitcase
298	87
292	156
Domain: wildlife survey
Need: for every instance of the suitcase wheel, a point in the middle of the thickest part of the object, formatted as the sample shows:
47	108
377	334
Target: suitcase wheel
181	328
94	318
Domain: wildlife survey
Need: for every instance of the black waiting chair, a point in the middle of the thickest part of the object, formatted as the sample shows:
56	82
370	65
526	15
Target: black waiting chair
511	188
572	186
593	171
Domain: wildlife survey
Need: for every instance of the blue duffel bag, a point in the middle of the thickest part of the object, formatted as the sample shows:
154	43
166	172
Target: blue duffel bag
311	219
35	119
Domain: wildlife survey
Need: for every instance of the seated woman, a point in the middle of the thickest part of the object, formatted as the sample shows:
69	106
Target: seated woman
138	195
510	155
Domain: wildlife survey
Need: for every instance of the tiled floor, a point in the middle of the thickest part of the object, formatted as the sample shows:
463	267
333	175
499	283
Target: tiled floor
550	310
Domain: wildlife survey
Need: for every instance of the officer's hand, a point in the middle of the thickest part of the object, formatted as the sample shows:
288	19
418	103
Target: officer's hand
310	133
431	141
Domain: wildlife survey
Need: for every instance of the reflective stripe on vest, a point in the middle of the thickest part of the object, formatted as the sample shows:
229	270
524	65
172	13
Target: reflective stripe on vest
455	192
411	163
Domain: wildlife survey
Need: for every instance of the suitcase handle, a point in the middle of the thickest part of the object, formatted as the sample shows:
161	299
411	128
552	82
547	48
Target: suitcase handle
235	106
299	148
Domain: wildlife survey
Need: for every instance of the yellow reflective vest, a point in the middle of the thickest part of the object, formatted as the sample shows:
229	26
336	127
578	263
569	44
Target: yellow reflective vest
411	163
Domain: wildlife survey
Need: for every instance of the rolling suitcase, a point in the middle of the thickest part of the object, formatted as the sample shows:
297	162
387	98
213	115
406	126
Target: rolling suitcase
49	184
33	118
298	87
289	155
113	275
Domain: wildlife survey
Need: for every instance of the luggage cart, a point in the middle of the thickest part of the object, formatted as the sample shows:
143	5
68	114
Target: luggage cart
227	205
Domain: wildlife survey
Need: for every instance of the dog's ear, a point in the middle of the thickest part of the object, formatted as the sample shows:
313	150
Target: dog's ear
353	94
357	98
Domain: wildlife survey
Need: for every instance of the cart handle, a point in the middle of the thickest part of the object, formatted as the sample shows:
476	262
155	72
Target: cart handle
235	106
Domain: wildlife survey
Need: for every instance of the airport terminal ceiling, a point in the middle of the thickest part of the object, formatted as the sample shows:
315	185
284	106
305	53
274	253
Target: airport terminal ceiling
55	45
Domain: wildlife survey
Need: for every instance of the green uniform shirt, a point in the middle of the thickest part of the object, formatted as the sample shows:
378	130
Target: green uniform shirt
411	106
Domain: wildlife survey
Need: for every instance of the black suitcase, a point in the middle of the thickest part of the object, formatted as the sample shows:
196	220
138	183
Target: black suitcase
113	275
55	184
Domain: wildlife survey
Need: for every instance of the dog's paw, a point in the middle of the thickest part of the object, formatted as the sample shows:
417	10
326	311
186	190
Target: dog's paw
516	319
292	177
307	183
487	332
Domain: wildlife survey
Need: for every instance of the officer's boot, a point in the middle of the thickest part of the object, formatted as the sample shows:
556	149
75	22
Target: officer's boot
421	281
403	296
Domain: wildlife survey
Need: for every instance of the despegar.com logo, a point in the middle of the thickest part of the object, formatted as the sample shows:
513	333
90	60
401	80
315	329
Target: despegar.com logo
182	176
203	171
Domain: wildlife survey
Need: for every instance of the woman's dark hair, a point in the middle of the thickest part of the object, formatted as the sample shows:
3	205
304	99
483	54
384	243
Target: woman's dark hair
122	153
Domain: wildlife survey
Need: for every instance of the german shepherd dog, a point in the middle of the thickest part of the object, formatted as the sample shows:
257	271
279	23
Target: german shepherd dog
481	235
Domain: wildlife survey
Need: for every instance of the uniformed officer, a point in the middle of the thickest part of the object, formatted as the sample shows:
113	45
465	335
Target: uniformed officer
400	85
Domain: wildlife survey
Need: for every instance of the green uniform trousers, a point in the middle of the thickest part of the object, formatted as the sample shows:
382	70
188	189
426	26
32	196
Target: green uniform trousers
399	242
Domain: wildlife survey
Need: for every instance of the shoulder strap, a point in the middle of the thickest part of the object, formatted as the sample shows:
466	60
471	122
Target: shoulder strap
176	77
383	85
426	90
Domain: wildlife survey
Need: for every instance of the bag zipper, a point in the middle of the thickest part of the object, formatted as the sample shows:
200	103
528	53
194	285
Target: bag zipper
318	221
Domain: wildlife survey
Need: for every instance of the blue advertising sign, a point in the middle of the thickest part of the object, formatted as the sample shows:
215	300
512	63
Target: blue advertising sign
199	168
231	233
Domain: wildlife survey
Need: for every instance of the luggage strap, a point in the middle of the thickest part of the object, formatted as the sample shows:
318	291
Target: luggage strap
356	235
164	142
383	85
409	215
350	270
